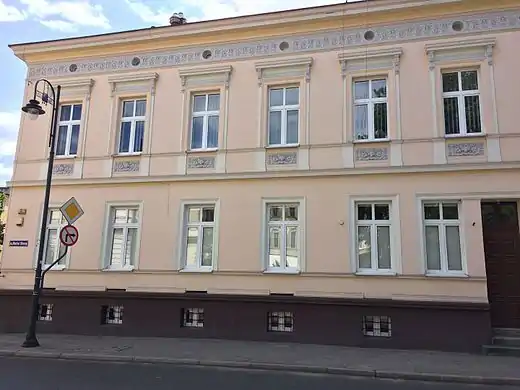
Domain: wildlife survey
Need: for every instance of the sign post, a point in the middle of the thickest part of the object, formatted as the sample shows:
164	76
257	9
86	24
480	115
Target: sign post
69	235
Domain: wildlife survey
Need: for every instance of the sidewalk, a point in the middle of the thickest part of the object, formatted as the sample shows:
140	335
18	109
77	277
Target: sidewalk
394	364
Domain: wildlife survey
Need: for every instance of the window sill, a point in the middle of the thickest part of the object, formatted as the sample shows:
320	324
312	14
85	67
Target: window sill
66	157
470	135
195	151
375	273
371	141
128	268
196	270
282	272
289	146
57	267
456	275
133	154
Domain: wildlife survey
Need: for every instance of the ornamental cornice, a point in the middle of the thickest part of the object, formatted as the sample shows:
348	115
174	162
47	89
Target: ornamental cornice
462	49
456	26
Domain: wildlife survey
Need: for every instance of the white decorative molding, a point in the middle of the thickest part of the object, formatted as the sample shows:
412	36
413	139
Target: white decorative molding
207	75
461	50
466	149
370	59
75	88
126	166
285	68
372	154
494	153
396	154
287	158
135	82
63	169
197	162
322	41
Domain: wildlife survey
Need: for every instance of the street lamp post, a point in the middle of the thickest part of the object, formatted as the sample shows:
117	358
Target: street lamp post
48	95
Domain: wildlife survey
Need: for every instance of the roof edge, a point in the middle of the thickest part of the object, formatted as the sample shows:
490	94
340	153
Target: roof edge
232	23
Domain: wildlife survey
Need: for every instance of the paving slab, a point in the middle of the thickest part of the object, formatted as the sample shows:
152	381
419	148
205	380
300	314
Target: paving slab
366	362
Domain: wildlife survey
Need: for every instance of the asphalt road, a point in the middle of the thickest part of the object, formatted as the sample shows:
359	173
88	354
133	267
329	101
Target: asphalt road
47	374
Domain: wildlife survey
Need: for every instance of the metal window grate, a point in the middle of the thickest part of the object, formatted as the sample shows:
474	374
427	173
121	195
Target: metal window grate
193	318
280	321
45	312
377	326
112	315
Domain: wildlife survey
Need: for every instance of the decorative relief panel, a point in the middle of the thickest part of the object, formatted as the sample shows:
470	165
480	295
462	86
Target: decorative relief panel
346	39
201	162
126	166
371	154
63	169
466	149
282	158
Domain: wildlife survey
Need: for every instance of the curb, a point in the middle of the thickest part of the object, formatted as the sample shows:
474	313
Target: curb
351	372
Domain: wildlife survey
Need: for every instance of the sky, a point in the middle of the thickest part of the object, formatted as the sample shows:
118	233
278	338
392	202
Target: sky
40	20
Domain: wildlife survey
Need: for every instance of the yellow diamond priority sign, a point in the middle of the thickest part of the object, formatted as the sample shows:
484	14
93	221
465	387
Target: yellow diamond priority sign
71	210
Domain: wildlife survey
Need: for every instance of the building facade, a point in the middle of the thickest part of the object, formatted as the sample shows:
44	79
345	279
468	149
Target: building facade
344	175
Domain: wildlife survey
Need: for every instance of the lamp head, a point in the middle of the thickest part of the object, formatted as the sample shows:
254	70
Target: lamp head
33	108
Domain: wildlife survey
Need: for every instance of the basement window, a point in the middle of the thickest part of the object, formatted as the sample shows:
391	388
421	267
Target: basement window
45	312
377	326
193	318
280	321
111	315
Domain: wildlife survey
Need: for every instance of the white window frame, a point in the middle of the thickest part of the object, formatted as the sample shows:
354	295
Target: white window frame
374	224
109	232
69	124
267	202
132	120
370	102
460	95
395	234
49	226
442	224
283	109
185	206
205	114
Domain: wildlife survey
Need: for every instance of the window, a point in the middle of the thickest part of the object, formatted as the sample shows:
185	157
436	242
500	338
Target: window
199	233
111	315
45	312
370	110
280	321
283	246
132	126
193	318
284	112
53	246
124	236
205	121
442	237
373	225
460	91
377	326
68	130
